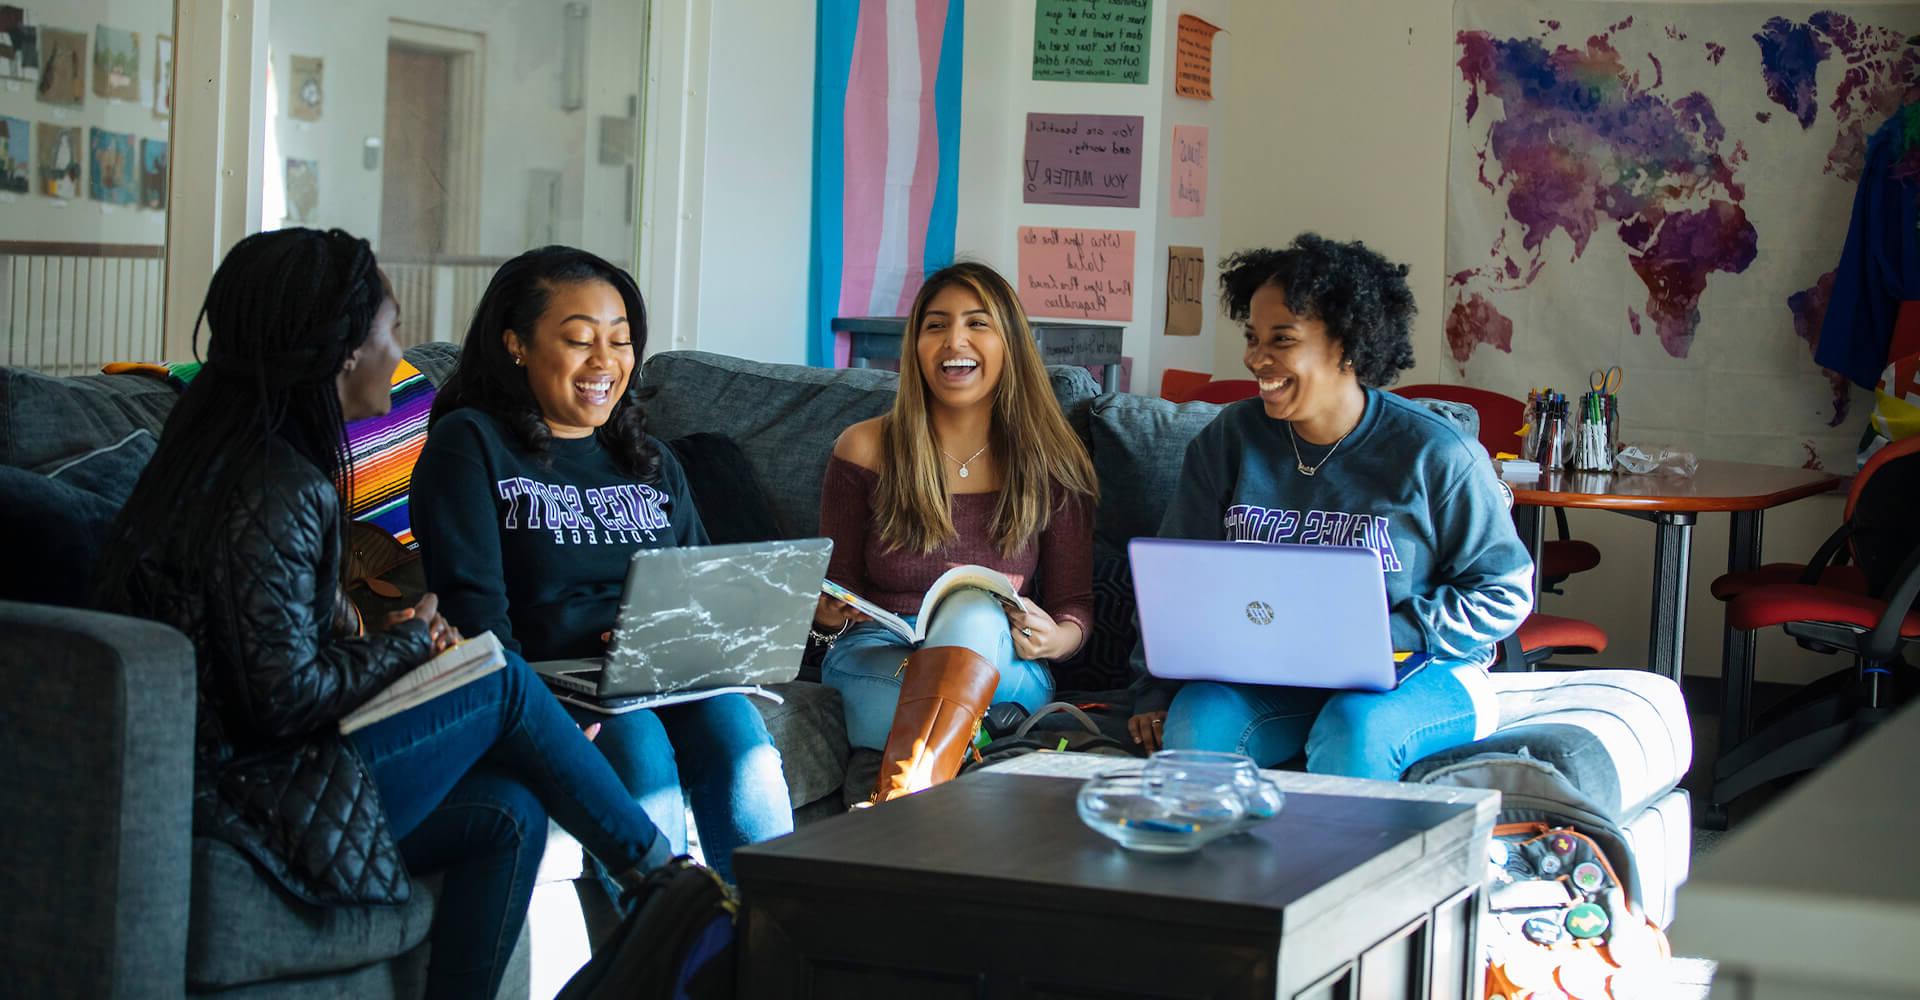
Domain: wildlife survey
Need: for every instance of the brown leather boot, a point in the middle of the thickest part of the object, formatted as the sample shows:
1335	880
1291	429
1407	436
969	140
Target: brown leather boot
942	697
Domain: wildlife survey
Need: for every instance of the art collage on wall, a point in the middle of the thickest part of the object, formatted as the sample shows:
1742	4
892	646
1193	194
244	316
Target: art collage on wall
65	160
1667	188
1086	159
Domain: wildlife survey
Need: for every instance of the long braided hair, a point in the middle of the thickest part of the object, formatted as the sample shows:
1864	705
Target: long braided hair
284	311
487	379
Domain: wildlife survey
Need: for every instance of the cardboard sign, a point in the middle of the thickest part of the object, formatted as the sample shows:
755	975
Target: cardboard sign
1083	160
1077	273
1186	290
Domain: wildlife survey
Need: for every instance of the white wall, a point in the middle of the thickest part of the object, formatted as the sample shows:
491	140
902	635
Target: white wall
756	211
999	91
1340	116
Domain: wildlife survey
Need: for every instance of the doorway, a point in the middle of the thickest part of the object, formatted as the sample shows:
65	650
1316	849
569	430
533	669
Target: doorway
430	184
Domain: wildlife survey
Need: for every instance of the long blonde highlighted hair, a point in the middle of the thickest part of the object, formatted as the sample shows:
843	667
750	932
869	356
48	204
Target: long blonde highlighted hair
1029	436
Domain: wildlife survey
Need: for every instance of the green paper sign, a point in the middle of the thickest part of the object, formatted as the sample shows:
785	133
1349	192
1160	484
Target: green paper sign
1092	41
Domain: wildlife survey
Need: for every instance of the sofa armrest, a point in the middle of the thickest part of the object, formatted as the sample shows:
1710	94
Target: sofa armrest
96	798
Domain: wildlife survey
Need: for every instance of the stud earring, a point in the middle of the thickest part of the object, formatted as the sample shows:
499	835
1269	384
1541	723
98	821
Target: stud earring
519	362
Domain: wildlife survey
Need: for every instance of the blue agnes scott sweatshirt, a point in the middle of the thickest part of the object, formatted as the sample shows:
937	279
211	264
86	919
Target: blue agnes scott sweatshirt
1405	483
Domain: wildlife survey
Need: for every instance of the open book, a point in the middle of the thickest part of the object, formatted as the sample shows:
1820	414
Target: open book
461	664
979	577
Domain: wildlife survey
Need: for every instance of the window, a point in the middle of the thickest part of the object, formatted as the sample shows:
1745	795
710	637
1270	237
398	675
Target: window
454	135
86	91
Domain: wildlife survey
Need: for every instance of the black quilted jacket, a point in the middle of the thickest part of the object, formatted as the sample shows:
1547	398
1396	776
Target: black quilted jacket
279	664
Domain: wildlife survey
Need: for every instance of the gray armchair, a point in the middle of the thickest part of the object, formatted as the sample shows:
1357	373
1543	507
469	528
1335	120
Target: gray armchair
109	894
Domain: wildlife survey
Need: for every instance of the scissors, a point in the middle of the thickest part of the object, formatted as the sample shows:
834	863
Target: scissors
1606	381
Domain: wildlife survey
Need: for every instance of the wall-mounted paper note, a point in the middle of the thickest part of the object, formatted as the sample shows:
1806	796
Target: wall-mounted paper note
1189	171
1092	41
1077	273
1083	160
1186	280
1193	63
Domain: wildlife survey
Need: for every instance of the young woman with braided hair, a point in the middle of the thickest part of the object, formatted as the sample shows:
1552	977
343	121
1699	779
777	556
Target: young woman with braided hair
233	536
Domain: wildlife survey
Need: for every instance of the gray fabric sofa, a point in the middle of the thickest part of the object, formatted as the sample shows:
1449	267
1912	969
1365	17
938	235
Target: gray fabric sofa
113	897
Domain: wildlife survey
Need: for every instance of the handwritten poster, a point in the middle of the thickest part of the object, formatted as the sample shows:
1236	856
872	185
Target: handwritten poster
1077	273
1186	277
1189	171
1193	61
1092	41
1083	160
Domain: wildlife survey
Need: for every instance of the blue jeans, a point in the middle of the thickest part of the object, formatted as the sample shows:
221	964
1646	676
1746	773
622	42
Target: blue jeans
865	665
719	751
1360	734
467	781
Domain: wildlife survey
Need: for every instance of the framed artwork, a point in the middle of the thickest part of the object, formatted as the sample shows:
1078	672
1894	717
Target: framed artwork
163	76
114	173
116	64
60	160
16	152
303	191
305	92
19	46
63	67
153	174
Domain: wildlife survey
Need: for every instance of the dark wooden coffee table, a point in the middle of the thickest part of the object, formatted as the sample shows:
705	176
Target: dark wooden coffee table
990	886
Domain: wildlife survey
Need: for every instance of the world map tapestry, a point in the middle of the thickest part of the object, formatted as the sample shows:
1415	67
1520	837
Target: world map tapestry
1666	187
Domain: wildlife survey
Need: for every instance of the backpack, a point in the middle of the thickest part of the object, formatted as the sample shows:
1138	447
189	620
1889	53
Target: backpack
1560	922
675	943
1071	730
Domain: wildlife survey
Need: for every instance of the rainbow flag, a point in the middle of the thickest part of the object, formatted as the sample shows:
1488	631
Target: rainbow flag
886	155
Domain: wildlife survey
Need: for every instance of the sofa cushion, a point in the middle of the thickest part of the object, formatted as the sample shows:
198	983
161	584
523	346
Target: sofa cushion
785	417
810	731
108	472
1620	736
51	533
243	929
44	419
733	505
1138	444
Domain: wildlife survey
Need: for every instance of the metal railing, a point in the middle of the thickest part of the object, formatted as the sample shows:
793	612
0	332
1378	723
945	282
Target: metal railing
437	295
68	308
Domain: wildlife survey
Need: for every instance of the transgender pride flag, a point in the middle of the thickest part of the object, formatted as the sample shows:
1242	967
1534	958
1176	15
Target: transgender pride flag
886	153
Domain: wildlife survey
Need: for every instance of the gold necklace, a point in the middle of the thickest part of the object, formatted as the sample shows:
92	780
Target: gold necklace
962	465
1301	464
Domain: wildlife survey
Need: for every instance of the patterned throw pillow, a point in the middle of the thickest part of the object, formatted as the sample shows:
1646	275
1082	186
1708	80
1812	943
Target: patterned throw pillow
384	450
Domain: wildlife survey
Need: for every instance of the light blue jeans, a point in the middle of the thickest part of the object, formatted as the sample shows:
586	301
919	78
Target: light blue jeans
1359	734
865	665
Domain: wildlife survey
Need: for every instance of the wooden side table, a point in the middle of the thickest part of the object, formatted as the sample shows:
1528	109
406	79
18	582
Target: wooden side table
1087	345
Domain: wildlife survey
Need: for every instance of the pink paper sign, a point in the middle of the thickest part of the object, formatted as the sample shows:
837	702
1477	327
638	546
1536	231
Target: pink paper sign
1189	171
1077	273
1083	160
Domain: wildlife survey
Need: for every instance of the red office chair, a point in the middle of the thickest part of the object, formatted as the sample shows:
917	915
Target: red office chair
1178	384
1501	418
1867	613
1226	391
1541	637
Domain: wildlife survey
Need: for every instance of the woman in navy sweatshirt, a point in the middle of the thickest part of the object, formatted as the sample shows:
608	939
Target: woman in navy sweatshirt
537	483
1325	324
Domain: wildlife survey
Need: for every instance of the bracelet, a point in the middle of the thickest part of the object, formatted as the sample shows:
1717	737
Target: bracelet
826	639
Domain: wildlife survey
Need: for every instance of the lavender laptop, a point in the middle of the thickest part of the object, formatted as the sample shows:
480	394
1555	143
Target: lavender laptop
1251	613
701	620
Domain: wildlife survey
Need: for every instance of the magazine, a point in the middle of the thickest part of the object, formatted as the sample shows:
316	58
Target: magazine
978	577
461	664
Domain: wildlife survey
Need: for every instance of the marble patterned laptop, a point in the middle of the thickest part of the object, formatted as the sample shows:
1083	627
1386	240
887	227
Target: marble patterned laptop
697	620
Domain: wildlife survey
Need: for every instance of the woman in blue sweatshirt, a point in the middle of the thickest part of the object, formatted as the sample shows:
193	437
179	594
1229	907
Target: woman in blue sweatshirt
1325	324
537	483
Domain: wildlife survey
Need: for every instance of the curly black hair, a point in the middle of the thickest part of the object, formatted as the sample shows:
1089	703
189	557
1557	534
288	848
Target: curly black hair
486	377
1361	296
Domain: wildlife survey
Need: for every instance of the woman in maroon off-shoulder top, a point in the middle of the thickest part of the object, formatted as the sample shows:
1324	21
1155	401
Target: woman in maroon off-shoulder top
975	465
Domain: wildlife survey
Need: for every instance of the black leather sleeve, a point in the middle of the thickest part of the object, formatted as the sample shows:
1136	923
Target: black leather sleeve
295	674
